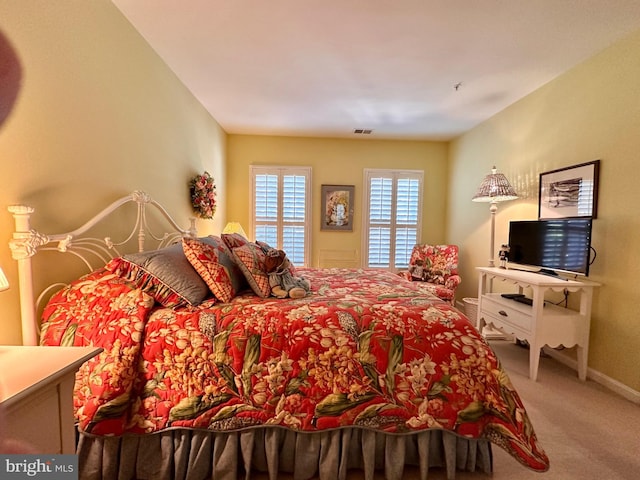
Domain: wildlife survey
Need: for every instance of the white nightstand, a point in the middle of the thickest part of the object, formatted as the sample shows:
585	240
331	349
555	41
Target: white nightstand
37	394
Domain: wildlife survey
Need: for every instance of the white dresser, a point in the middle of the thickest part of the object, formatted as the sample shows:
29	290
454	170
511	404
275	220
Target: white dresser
540	323
36	395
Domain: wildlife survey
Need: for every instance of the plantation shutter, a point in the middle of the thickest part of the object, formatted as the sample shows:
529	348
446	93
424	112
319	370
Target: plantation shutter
407	204
380	201
393	217
266	208
294	208
281	209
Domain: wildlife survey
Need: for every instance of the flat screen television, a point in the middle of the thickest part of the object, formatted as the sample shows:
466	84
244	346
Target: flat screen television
552	246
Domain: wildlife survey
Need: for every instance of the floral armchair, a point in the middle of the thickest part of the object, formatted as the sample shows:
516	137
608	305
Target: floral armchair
436	268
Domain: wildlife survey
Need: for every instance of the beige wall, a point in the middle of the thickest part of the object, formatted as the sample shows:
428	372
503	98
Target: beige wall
591	112
99	115
342	162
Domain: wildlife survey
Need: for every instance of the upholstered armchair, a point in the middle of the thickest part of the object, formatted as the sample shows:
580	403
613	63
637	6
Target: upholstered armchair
435	267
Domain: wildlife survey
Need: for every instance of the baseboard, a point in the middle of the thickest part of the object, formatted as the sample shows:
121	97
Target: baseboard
598	377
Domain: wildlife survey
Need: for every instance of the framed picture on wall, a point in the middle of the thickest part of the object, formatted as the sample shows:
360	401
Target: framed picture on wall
337	207
569	192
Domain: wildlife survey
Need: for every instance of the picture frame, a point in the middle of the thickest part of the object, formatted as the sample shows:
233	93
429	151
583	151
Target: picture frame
337	207
570	192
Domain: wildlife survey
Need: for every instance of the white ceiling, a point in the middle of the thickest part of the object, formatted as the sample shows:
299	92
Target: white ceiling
325	68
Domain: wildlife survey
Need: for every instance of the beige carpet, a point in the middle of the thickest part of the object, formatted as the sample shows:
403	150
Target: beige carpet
588	432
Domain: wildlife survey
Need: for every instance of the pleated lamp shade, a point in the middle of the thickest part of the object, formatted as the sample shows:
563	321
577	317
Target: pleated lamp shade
495	188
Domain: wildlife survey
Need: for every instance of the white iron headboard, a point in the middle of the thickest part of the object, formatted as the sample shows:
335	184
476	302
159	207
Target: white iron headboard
94	252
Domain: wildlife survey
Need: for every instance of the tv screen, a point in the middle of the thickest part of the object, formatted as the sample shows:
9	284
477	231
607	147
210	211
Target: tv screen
557	245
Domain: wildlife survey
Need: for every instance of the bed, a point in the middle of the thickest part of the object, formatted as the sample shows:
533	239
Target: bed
205	375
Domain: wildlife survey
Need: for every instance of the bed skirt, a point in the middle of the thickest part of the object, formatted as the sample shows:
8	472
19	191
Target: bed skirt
197	455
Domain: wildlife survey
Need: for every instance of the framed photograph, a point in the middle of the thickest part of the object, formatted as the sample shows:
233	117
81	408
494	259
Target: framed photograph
569	192
337	207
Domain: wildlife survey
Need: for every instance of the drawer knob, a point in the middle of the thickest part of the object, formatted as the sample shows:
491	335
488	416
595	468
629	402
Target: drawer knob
503	313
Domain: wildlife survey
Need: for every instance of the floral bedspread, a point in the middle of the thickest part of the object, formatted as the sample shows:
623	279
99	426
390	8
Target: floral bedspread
366	348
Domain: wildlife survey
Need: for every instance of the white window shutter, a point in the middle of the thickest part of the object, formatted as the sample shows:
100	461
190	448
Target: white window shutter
393	218
294	217
281	213
407	206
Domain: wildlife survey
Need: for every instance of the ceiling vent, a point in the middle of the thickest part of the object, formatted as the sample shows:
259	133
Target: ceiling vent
363	131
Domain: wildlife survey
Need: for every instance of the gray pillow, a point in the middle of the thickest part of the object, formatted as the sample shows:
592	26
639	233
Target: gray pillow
165	274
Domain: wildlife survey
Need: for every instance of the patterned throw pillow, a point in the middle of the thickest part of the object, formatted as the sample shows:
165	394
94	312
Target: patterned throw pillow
233	240
213	261
165	274
250	257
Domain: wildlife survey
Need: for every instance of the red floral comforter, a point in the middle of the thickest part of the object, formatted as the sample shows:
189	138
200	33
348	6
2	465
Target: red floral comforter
365	348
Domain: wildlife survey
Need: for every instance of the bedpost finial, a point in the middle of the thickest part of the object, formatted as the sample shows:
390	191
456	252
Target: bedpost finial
21	217
21	209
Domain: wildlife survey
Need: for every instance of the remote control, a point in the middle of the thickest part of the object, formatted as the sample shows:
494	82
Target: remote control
512	295
525	300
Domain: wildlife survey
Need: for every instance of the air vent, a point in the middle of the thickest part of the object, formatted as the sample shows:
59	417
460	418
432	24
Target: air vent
362	131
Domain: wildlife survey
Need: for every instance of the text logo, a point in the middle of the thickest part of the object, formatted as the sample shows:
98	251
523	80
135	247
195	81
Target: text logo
50	467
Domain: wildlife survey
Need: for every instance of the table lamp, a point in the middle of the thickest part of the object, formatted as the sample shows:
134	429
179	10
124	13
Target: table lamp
234	227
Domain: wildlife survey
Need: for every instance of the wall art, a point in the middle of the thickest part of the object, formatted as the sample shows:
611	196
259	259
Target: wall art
337	207
569	192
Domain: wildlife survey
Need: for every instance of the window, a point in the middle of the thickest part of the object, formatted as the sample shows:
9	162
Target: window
392	216
280	209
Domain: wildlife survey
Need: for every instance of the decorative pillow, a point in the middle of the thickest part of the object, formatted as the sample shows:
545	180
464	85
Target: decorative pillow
234	240
433	263
213	261
250	257
165	274
435	276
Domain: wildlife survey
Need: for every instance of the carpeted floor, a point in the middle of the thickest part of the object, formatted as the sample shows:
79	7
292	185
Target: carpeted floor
588	432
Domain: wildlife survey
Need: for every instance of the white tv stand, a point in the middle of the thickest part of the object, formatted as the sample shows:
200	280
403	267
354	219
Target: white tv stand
541	323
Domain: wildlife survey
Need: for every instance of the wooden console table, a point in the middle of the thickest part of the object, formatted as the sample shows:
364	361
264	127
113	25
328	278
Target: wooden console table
540	323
